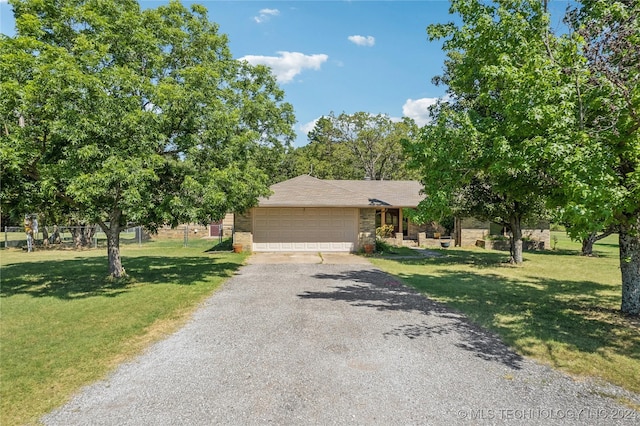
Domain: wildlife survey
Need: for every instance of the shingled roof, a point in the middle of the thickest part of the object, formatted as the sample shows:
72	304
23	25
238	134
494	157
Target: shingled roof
308	191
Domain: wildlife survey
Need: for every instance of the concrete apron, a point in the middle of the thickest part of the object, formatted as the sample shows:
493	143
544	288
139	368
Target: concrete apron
300	257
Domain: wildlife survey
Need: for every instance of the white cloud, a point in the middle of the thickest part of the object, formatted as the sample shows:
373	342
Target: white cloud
288	64
307	127
265	15
362	40
419	109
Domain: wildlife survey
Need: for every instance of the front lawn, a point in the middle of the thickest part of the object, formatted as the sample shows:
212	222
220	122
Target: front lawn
64	324
558	307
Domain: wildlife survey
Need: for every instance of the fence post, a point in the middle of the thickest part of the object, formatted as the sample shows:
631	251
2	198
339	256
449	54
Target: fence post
186	235
139	236
95	237
6	239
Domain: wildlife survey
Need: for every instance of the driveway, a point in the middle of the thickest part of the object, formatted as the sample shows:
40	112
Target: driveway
307	343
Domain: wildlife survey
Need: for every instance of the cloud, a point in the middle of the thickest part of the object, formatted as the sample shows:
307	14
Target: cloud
307	127
362	40
419	109
288	64
265	15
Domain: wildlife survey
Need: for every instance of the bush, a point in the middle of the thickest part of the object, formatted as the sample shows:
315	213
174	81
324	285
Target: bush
385	231
382	247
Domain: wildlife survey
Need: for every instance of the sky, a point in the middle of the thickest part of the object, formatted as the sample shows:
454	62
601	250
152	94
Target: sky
335	55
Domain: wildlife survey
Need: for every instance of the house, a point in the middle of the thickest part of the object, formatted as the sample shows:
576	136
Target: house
472	232
310	214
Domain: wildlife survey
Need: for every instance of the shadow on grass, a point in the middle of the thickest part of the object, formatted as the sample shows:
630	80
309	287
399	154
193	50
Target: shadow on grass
224	245
480	259
380	291
81	278
578	313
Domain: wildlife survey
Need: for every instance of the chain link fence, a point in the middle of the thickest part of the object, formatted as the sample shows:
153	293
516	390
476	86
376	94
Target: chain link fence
93	237
68	236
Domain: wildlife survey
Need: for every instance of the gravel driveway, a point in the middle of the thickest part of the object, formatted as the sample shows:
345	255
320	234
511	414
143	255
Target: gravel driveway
298	344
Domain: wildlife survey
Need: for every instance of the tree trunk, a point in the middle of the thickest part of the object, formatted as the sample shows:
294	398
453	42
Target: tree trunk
516	240
630	267
83	234
588	242
113	245
113	248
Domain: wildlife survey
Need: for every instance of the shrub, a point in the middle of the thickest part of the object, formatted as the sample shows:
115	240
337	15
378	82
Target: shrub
382	247
385	231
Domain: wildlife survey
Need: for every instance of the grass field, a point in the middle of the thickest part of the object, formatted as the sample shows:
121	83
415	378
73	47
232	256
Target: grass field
64	325
558	307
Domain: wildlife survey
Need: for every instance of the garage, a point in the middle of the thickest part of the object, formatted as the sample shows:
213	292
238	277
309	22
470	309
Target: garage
310	229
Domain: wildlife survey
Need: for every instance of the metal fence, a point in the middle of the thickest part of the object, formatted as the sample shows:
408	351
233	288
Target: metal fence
92	236
85	236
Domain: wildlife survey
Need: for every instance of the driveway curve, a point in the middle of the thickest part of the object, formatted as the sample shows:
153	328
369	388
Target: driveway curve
295	344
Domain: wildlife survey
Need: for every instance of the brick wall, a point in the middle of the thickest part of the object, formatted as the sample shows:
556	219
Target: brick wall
179	232
366	227
542	235
413	230
243	230
243	222
468	237
244	238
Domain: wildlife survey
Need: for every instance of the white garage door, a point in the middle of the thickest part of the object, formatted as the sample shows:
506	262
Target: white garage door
305	229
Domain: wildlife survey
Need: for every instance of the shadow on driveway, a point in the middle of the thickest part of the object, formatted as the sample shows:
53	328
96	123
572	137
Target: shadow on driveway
380	291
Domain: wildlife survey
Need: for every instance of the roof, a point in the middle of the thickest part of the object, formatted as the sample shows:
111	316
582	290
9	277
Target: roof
308	191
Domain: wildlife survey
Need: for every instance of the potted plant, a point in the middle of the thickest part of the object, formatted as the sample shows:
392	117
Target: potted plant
445	242
237	248
368	248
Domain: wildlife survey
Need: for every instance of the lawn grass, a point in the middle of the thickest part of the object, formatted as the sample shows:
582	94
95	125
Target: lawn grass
558	307
64	324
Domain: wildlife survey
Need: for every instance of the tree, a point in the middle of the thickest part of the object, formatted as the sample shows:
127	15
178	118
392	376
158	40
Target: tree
130	116
605	185
357	146
326	156
483	154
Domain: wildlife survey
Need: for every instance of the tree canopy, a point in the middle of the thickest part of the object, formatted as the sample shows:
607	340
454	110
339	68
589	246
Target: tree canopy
356	146
135	116
601	175
540	120
483	154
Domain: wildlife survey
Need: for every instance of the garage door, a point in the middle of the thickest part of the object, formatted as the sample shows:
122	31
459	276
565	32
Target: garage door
305	229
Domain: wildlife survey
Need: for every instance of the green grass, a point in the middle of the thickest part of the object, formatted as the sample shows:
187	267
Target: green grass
558	307
64	324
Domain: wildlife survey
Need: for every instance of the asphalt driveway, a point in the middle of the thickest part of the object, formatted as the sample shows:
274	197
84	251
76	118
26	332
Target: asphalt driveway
312	343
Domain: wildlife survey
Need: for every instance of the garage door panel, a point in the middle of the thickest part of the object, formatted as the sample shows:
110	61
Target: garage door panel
305	229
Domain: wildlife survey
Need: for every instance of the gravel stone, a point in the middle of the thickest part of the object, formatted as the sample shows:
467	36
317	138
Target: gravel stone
326	344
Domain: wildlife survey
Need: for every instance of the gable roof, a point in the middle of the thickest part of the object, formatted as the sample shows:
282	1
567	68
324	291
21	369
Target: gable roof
308	191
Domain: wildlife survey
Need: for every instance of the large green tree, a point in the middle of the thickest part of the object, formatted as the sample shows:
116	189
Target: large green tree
600	172
124	115
357	146
483	153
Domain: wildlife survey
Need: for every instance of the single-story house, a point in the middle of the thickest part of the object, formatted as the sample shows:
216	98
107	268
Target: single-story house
310	214
473	232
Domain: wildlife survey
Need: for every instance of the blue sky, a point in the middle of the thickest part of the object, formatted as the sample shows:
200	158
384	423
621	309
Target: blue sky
340	56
